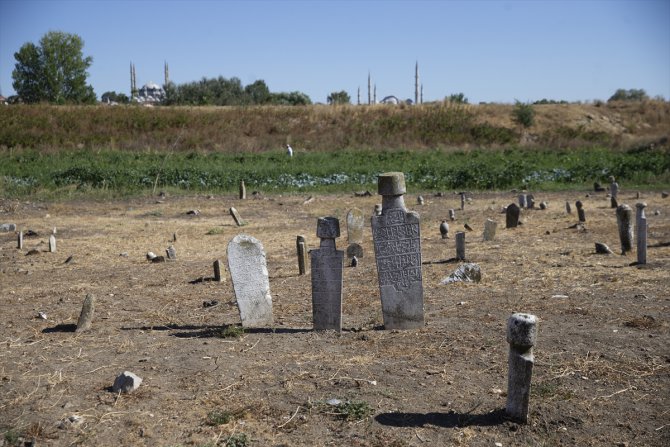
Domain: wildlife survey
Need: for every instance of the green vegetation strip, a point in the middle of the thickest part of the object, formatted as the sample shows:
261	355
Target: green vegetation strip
60	174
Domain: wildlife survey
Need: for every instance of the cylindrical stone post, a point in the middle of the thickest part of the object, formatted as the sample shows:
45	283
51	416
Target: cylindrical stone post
452	214
624	219
52	244
444	229
243	190
641	229
522	201
301	247
391	186
580	211
530	201
568	208
462	201
217	270
614	192
460	245
521	336
490	227
19	241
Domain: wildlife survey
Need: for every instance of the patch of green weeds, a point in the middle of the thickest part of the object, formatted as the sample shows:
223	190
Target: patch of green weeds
231	331
215	230
219	417
237	440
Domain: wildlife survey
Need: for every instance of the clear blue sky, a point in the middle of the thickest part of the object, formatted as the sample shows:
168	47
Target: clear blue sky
491	50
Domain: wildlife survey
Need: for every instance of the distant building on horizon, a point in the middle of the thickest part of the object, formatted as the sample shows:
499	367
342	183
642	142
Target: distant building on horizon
150	93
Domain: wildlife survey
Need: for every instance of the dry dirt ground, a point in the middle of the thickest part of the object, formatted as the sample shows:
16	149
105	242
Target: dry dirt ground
601	377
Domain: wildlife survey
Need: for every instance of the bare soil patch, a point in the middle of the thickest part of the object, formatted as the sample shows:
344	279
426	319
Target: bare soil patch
602	373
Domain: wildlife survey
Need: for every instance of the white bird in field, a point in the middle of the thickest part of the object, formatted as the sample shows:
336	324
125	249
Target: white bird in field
289	150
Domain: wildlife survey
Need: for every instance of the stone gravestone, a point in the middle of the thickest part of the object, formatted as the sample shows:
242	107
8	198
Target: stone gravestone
397	240
243	190
460	245
462	201
249	273
568	208
327	263
490	227
641	229
217	270
236	216
452	214
19	241
52	244
624	219
86	315
512	215
355	225
530	201
171	253
614	192
522	200
301	250
580	211
521	336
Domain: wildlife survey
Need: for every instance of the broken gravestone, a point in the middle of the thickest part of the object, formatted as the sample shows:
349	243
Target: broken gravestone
521	336
236	216
249	273
468	272
397	240
126	382
86	315
327	263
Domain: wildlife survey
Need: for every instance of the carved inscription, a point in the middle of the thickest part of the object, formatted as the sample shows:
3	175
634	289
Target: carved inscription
397	249
327	288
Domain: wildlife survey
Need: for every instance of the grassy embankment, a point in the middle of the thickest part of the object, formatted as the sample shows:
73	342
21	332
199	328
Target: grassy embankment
63	151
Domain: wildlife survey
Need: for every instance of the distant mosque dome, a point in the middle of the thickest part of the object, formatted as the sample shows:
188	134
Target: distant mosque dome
151	92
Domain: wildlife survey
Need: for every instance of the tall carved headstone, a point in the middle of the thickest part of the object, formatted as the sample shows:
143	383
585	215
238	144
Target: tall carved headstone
512	215
249	273
580	211
397	240
490	227
521	336
641	229
624	219
355	225
327	263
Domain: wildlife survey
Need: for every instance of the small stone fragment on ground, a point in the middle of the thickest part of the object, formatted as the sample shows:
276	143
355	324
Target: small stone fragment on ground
150	256
158	259
6	227
603	249
469	272
126	382
193	212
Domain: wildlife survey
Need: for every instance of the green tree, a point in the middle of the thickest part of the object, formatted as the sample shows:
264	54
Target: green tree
458	98
523	114
633	94
290	99
53	71
258	92
112	96
340	97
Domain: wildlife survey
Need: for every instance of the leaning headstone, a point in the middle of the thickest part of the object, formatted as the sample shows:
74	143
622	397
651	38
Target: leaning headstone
52	244
452	214
301	251
243	190
249	273
624	219
522	200
19	241
460	245
641	229
512	216
355	226
86	315
521	336
217	270
490	227
171	253
7	227
580	211
236	216
327	263
397	240
126	382
568	208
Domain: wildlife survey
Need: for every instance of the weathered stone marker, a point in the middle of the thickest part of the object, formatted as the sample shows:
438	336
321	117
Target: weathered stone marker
568	208
460	245
7	227
236	216
452	214
614	192
19	241
249	273
327	263
397	240
126	382
301	250
490	227
52	244
641	229
86	315
171	253
243	190
580	211
530	201
512	215
419	200
444	229
462	201
355	226
521	336
217	270
522	200
378	209
624	220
